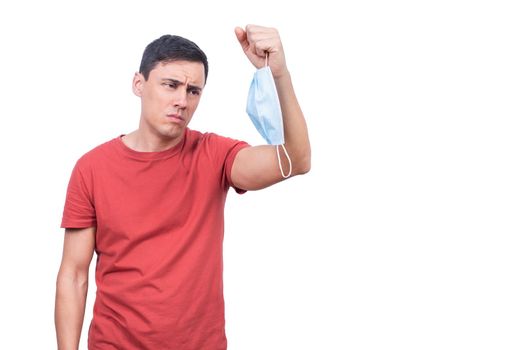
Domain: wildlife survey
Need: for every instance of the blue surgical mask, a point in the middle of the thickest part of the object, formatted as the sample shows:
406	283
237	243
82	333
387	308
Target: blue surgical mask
263	107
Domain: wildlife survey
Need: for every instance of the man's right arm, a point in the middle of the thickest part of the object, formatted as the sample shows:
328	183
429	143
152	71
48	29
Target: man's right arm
71	286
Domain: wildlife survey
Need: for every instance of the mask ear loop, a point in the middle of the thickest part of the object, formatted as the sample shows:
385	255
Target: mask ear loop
285	176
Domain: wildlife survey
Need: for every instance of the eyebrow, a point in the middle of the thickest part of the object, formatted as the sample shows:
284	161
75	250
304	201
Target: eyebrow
178	82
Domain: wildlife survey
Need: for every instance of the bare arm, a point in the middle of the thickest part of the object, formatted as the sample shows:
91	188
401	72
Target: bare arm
257	167
71	286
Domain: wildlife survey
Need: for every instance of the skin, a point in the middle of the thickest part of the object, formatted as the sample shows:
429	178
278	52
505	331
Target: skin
169	99
257	167
71	286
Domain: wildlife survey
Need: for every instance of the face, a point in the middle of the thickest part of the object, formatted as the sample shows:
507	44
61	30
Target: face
169	97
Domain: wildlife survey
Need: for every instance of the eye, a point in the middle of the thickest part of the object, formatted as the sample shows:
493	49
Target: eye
194	92
170	85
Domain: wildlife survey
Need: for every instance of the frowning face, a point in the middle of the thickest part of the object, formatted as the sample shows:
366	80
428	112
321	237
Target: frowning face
169	97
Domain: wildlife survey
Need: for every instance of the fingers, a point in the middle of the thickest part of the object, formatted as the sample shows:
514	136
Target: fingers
257	42
262	39
242	38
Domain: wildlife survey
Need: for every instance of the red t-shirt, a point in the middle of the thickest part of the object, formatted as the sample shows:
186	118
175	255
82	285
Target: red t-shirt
159	219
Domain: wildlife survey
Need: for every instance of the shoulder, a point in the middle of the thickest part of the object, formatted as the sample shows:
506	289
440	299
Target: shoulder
97	153
212	139
214	149
198	136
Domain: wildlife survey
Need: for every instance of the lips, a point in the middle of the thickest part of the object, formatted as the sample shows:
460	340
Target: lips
177	118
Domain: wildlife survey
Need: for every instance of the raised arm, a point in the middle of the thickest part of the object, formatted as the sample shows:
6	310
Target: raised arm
257	167
71	286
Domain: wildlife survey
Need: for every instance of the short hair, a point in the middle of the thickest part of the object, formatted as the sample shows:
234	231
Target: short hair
169	48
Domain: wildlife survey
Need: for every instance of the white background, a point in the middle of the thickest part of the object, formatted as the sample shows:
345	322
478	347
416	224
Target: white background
406	234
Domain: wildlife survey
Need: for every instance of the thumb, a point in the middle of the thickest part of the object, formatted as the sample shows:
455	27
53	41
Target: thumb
242	38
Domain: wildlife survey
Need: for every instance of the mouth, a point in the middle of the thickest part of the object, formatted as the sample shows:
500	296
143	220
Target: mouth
176	118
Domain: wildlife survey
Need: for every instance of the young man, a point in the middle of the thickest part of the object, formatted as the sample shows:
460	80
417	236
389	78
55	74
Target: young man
151	204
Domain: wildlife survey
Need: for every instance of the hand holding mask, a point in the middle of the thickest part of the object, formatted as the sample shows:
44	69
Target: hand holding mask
263	107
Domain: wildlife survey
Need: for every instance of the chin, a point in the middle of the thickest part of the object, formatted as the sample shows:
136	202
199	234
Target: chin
172	133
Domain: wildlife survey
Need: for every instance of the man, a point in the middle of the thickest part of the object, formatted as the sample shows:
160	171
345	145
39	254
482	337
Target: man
151	204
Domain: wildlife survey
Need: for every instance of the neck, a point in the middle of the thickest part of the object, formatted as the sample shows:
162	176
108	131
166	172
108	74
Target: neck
138	141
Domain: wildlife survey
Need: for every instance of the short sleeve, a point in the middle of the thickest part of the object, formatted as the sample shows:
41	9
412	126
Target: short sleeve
228	165
79	210
223	150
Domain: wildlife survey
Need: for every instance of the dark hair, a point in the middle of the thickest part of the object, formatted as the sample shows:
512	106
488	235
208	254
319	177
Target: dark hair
171	48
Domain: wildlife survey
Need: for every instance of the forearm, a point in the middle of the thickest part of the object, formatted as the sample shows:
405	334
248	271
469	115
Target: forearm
295	128
71	293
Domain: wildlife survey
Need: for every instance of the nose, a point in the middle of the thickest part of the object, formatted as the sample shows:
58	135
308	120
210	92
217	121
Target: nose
180	98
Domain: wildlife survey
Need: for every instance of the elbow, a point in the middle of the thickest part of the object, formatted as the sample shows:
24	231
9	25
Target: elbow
303	165
304	169
67	281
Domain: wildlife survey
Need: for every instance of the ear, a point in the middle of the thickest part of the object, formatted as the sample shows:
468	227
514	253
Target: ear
138	84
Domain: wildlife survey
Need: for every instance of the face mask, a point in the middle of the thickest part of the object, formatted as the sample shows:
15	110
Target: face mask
263	108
